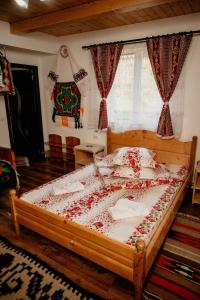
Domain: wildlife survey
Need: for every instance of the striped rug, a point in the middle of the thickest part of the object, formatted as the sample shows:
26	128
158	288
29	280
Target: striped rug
176	272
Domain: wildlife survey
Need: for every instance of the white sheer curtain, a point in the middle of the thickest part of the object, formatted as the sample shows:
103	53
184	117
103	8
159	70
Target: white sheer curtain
134	101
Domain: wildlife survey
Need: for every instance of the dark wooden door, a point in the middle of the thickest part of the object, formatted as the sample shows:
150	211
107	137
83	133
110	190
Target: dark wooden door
24	113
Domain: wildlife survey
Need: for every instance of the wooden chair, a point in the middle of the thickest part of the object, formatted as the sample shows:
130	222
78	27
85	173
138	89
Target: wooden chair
9	155
71	141
55	146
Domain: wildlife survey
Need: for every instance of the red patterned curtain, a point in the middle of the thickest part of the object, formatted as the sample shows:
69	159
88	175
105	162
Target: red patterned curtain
167	55
105	61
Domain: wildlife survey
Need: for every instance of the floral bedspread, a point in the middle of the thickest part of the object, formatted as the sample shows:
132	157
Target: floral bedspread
89	207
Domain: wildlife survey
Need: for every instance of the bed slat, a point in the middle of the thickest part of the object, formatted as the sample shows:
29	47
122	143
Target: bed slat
61	237
75	228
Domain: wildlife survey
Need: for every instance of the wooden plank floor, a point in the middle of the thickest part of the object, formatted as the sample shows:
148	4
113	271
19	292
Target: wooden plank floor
83	272
42	172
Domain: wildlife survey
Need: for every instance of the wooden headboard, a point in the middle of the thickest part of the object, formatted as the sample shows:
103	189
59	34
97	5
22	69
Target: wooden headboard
167	150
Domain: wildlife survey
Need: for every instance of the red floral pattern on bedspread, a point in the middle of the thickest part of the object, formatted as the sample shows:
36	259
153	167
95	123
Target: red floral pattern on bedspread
83	205
150	220
90	207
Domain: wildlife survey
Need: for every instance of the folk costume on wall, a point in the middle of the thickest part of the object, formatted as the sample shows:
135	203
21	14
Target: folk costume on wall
6	81
68	89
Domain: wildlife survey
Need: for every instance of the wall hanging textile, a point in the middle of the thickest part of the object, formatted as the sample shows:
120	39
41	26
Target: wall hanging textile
67	100
66	71
105	61
167	55
6	81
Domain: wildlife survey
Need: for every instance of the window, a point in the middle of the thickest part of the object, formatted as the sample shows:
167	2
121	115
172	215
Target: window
134	101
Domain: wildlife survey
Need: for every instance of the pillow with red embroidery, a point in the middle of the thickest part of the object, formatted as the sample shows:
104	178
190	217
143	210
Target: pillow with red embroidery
103	162
125	172
134	157
105	171
160	172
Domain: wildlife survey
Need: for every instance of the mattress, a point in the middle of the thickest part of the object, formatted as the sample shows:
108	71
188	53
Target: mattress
90	206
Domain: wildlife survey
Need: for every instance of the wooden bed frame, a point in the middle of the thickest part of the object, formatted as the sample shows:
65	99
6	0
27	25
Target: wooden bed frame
130	262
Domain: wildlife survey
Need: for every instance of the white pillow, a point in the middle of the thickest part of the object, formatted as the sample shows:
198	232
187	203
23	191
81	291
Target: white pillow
103	162
134	156
160	172
125	172
105	171
148	173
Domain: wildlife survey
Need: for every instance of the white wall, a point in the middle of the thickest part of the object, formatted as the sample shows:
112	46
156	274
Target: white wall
26	49
4	134
191	124
49	45
35	41
30	58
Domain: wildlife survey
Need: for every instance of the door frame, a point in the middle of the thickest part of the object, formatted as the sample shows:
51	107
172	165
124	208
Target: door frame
38	104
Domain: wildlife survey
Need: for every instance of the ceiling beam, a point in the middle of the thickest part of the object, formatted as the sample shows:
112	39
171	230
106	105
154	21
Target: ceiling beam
80	12
144	4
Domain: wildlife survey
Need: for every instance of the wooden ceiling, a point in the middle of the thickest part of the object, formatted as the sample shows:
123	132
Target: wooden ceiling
64	17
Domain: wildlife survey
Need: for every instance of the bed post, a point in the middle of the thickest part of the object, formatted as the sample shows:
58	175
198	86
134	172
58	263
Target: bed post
139	269
192	157
12	196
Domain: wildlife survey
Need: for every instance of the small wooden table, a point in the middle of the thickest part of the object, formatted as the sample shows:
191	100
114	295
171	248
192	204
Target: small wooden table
84	154
196	187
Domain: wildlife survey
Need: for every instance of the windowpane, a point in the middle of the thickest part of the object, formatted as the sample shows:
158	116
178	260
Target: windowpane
122	89
134	100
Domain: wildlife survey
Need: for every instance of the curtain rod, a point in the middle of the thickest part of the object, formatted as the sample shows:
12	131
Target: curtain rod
140	40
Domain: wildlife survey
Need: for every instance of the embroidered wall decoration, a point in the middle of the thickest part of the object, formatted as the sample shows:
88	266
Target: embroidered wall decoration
63	51
53	76
79	75
67	101
66	69
6	80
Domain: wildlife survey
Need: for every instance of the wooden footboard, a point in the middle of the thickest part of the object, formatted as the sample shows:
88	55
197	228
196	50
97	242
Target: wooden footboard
124	260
